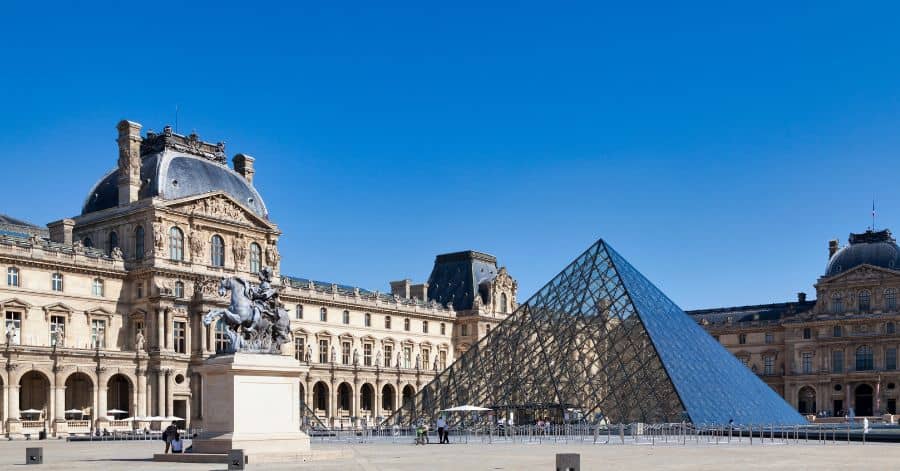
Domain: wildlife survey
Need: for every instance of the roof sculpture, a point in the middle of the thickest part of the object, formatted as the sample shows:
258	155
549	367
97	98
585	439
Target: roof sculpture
601	338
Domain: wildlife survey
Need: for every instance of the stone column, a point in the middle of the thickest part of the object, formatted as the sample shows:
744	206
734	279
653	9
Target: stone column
204	341
160	392
60	399
189	331
332	404
376	407
101	401
12	395
170	332
170	390
357	397
141	393
160	330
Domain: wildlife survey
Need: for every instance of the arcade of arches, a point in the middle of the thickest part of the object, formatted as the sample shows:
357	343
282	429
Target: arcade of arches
365	401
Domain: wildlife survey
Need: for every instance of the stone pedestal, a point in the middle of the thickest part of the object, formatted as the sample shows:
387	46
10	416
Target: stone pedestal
252	402
14	428
61	428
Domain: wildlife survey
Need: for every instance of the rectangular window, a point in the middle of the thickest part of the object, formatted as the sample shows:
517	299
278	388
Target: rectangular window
57	329
807	362
426	358
299	348
388	354
745	361
837	361
768	365
345	353
367	354
97	287
387	322
323	315
890	300
98	333
742	339
443	329
424	327
14	326
406	325
12	276
407	357
890	359
770	338
179	334
179	289
323	351
367	320
222	340
298	313
56	283
807	333
346	317
443	360
464	330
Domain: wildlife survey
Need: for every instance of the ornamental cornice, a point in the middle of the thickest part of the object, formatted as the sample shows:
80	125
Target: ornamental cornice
64	265
289	298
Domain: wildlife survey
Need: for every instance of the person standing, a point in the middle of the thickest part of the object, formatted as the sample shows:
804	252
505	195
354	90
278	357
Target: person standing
442	430
169	435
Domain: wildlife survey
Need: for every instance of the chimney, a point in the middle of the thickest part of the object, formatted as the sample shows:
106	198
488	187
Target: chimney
61	231
801	297
243	164
419	291
832	248
400	288
129	161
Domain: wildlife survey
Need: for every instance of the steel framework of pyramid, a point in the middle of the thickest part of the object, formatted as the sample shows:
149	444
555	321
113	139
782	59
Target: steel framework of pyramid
601	339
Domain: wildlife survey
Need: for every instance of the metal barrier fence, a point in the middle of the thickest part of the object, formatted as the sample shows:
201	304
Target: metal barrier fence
671	434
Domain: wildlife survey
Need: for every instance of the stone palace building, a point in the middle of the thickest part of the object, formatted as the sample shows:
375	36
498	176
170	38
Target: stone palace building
835	355
102	311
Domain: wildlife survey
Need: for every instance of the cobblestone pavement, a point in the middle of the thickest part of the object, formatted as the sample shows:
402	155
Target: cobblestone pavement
60	455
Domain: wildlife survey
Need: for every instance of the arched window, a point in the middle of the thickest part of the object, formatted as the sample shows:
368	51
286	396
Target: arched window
176	244
323	314
217	251
503	303
864	361
837	303
139	243
179	289
890	299
864	301
255	258
112	242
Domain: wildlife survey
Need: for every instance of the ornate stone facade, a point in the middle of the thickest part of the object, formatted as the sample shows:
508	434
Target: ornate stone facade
834	355
107	313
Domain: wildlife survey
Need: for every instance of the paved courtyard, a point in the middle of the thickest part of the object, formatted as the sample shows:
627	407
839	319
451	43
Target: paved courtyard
476	456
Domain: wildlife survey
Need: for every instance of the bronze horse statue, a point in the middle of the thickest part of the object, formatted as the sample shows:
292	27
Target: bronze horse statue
253	321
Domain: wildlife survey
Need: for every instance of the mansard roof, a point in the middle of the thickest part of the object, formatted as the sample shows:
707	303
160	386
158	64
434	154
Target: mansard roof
459	276
773	312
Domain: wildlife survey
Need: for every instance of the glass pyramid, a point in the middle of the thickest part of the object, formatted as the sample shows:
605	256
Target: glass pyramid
601	340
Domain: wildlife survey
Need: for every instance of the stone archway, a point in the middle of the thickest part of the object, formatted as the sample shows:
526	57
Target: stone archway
409	397
806	400
367	398
320	398
118	394
388	398
344	399
863	400
34	393
80	395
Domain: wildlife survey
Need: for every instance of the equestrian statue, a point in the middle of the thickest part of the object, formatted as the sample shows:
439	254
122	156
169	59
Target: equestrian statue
255	320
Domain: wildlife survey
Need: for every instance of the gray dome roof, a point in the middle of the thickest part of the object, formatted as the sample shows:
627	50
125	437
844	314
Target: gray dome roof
870	248
173	175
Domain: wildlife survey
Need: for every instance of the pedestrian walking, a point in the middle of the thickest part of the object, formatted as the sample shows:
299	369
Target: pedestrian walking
443	435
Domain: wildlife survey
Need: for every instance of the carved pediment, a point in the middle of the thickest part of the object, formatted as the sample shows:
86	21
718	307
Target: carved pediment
864	273
220	207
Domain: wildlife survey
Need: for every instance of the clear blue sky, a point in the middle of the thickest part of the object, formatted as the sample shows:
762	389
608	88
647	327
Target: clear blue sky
717	147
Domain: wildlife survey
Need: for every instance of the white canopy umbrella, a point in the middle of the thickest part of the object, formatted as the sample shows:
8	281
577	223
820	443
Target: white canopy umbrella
74	411
116	411
30	411
466	408
172	418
